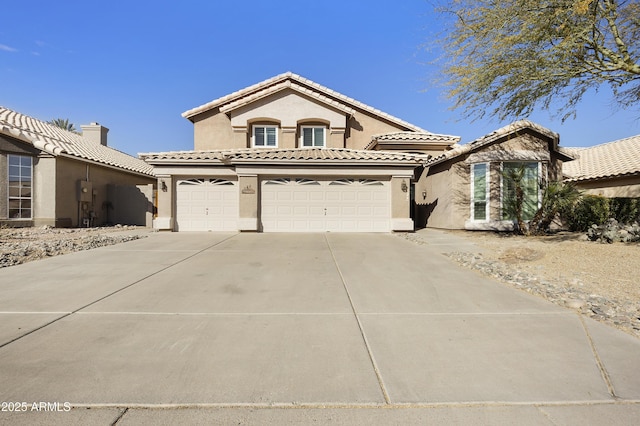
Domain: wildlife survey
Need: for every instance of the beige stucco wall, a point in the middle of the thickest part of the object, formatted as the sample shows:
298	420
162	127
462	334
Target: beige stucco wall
70	171
362	126
129	205
249	188
401	203
165	202
212	130
44	191
614	187
289	108
447	200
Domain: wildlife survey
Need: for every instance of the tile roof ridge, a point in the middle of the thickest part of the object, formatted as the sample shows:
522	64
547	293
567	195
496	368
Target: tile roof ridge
56	141
21	125
303	80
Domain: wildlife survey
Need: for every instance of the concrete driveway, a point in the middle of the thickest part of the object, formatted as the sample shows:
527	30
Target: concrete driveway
297	328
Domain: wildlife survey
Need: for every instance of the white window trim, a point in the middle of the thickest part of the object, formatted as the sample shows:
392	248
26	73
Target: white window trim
487	193
324	134
265	126
20	198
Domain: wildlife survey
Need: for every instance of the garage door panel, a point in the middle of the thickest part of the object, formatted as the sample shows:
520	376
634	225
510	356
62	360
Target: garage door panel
345	205
333	195
316	211
317	195
301	211
207	205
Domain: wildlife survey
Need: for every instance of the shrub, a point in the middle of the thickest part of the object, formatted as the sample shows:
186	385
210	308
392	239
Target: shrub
625	210
589	210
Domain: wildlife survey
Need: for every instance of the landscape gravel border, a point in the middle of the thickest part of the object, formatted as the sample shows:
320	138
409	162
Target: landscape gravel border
21	245
622	314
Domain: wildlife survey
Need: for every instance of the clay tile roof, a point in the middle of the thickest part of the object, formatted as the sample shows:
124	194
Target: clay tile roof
57	141
303	85
189	156
492	137
426	138
321	155
416	137
612	159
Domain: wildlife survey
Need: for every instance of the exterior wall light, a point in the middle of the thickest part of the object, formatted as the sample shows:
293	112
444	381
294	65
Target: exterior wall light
163	186
404	186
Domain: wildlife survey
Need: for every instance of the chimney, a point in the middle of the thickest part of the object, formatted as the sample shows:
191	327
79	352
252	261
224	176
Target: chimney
95	133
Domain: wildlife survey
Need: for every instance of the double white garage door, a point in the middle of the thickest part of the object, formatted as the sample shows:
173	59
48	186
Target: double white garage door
288	205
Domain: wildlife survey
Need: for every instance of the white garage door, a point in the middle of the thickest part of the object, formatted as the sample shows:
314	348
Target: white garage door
207	205
340	205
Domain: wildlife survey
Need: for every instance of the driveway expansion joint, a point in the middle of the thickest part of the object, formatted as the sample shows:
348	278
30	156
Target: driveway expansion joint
113	293
599	363
383	388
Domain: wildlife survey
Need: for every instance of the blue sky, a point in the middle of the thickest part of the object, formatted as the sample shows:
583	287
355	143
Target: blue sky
136	66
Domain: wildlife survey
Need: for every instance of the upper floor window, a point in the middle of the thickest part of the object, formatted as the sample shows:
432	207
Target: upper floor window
20	187
265	136
313	136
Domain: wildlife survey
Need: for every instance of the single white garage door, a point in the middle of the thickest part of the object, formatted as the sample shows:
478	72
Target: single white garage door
206	205
339	205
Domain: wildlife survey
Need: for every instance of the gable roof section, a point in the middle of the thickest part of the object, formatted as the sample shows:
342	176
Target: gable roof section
494	136
288	84
314	90
56	141
415	138
322	156
613	159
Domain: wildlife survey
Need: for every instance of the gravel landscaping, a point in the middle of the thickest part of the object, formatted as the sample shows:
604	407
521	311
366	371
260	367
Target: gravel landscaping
596	279
20	245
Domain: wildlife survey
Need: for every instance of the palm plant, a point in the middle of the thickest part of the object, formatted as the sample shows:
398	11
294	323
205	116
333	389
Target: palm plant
64	124
556	197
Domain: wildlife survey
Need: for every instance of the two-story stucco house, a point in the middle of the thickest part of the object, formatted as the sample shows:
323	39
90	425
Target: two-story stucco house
288	155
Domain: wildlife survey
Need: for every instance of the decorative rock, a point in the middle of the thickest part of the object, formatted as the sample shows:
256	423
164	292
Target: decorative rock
575	303
568	294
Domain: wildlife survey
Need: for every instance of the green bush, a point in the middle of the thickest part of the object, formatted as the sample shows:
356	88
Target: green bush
589	210
625	210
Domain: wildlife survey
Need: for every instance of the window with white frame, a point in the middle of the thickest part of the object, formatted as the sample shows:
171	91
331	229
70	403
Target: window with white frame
313	136
265	136
480	191
528	174
20	174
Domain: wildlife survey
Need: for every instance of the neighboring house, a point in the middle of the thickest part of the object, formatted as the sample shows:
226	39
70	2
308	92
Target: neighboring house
289	155
50	176
465	188
611	169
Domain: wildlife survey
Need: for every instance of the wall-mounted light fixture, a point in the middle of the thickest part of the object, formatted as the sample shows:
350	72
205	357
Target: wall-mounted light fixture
424	195
404	186
163	186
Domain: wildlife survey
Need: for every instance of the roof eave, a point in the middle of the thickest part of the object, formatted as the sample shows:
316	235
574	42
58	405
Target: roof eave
182	161
595	178
319	162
